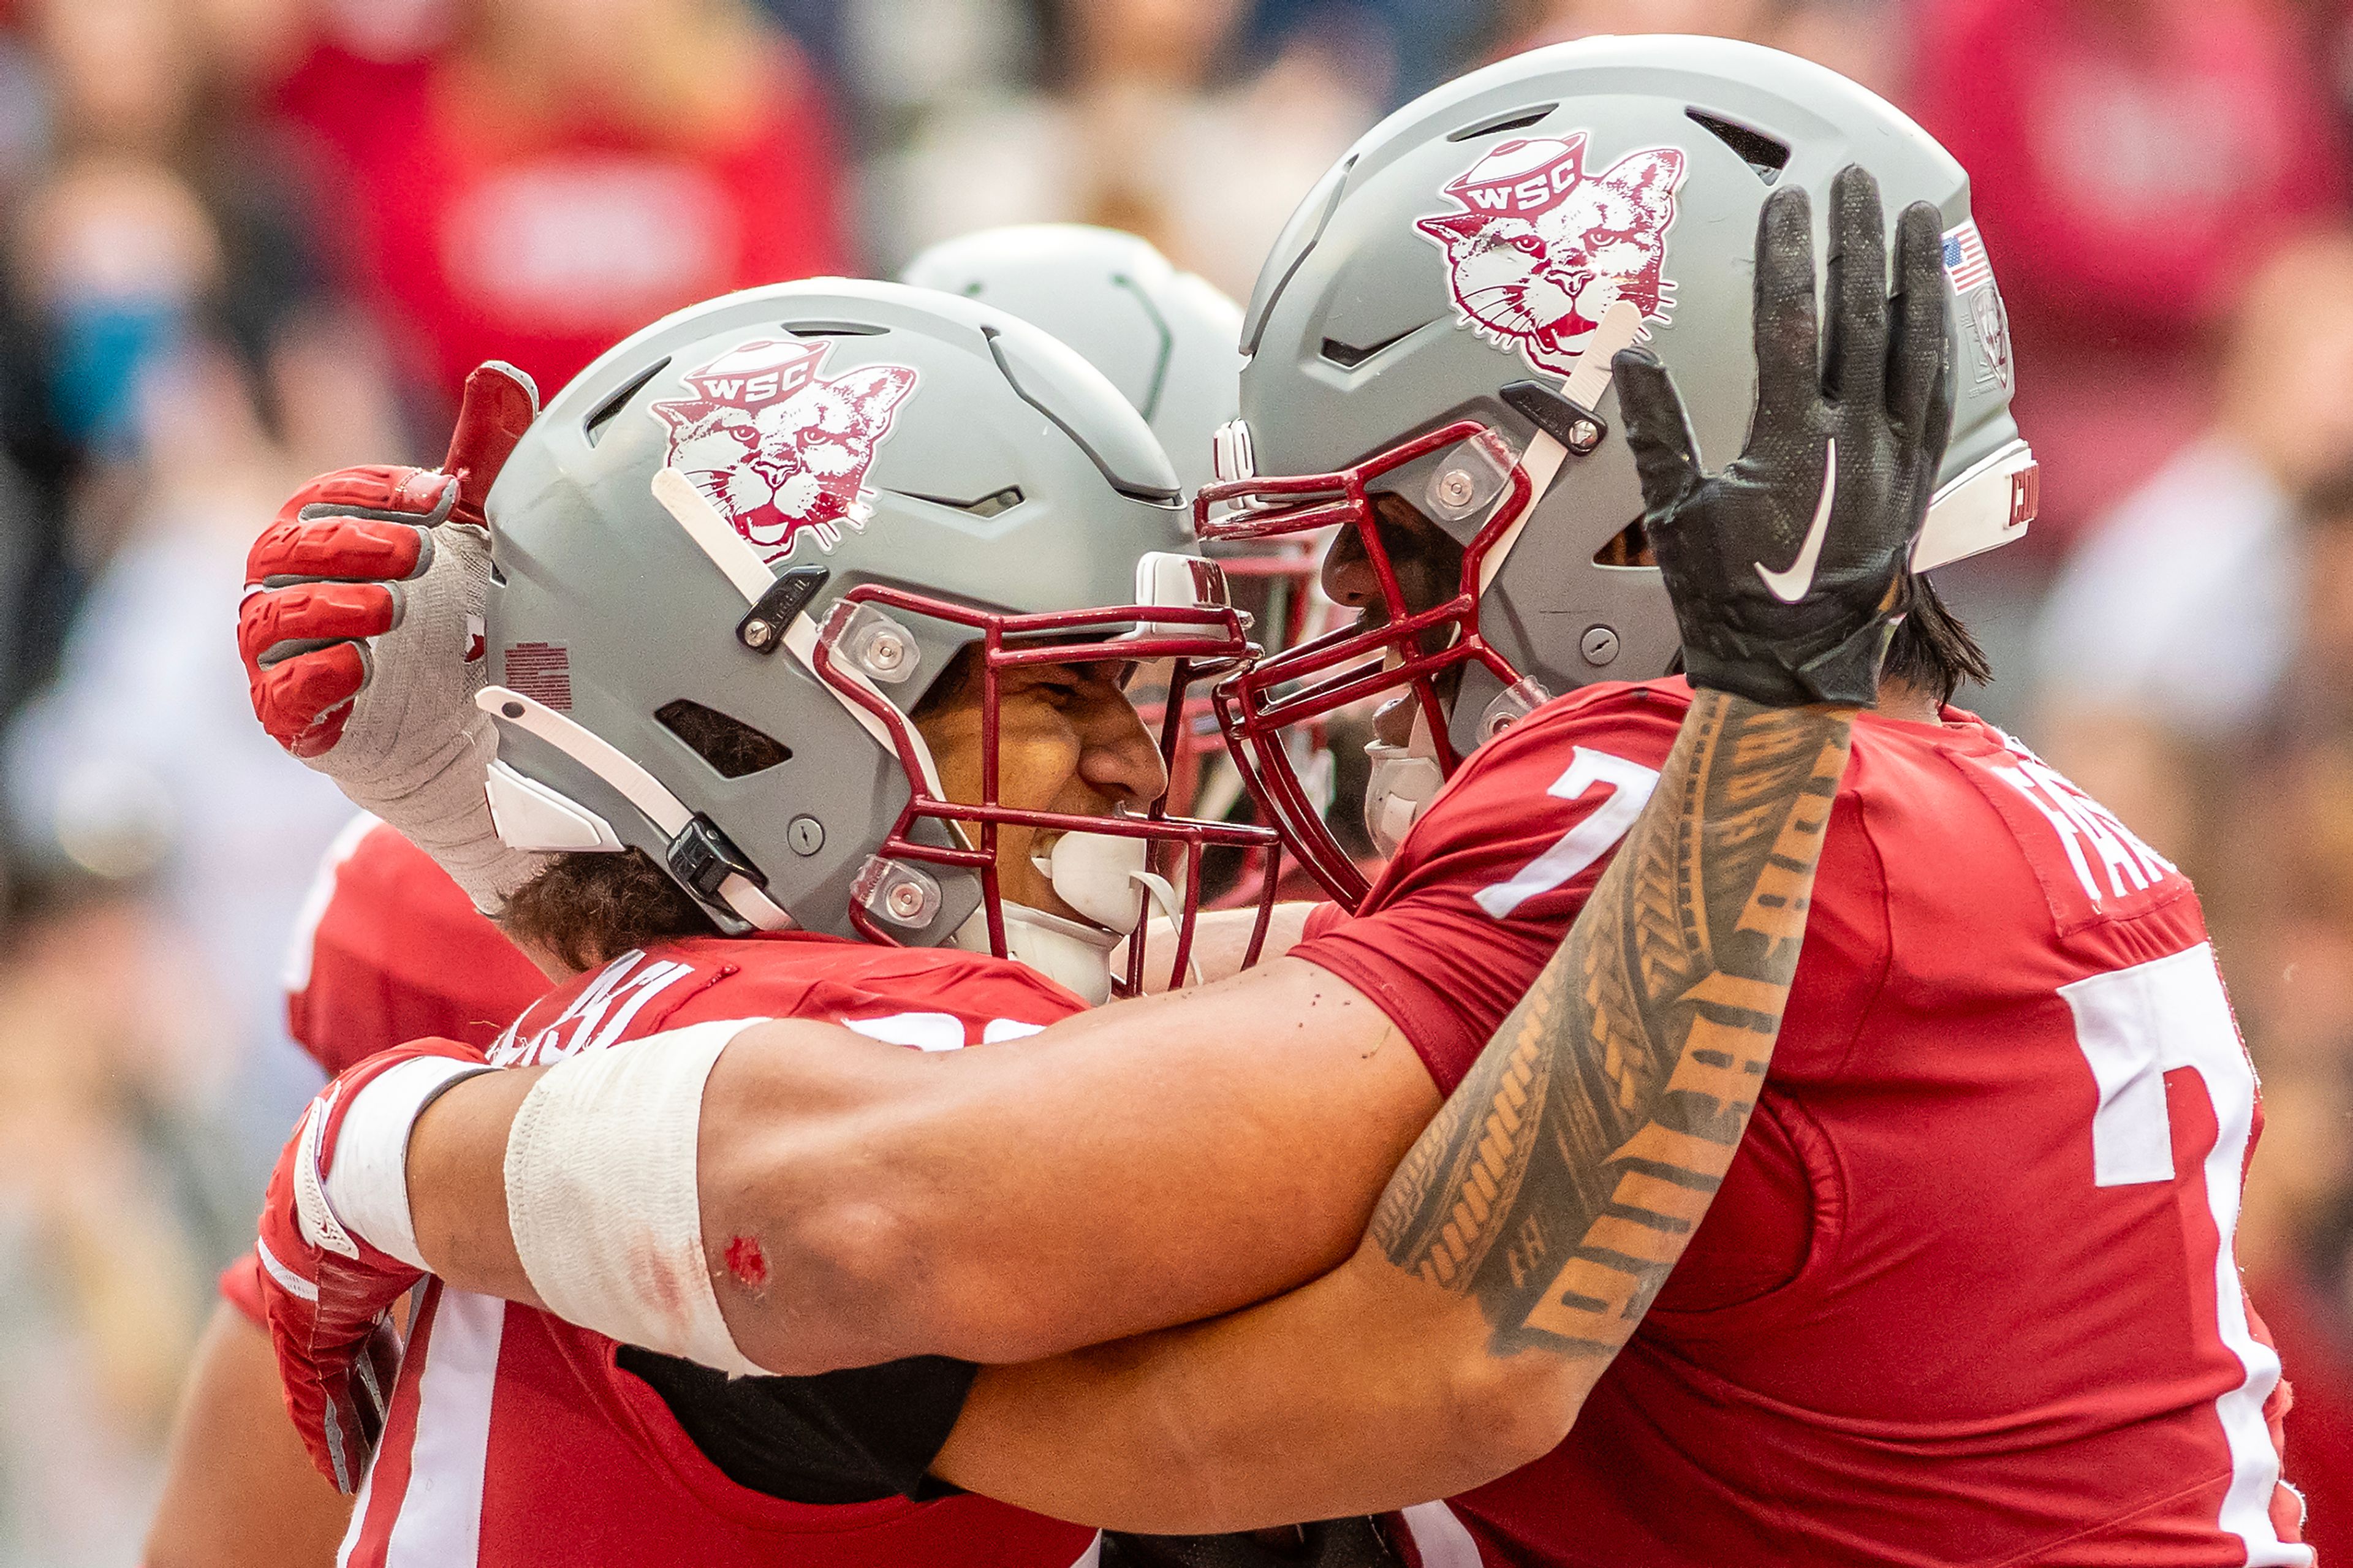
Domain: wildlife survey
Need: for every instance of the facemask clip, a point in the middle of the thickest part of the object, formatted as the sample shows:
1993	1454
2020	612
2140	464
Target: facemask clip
897	893
878	646
1510	705
1468	478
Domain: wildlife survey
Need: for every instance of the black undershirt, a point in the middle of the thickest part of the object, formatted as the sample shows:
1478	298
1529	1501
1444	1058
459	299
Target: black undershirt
872	1431
847	1436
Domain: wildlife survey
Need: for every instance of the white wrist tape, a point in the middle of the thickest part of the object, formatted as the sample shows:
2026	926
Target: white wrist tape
603	1196
367	1190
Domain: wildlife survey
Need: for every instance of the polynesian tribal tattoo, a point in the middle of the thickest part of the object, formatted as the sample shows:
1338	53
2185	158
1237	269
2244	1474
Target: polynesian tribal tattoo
1562	1179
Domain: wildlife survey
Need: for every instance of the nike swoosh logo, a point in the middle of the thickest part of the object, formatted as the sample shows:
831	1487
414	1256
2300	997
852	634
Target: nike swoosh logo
1790	587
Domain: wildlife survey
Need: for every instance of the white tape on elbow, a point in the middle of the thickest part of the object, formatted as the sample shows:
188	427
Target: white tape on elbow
603	1196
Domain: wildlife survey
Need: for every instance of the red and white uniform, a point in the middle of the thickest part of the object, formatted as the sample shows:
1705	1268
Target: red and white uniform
1967	1294
514	1439
388	950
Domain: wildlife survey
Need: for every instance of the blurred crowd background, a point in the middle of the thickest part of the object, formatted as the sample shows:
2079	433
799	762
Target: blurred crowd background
242	241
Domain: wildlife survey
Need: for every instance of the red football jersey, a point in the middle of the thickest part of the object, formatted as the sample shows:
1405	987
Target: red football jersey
388	950
1967	1294
514	1439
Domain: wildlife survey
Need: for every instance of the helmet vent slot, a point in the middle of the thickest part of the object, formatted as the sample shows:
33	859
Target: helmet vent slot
1348	356
593	428
1510	120
1764	156
834	329
733	749
989	505
1629	546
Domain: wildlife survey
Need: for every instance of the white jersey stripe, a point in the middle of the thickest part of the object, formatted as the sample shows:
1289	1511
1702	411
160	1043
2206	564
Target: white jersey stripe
440	1521
2172	1012
1440	1537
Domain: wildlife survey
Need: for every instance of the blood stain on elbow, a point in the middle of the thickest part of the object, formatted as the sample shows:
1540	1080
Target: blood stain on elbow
747	1262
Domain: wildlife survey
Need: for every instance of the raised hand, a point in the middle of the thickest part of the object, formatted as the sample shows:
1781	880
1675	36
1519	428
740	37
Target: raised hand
1787	568
362	633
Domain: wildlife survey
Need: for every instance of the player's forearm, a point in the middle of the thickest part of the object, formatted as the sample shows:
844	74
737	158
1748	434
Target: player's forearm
1221	940
457	1184
1521	1238
1323	1402
1144	1164
1570	1167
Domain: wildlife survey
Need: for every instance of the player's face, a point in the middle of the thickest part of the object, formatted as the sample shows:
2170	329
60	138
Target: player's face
1429	567
1425	557
1068	739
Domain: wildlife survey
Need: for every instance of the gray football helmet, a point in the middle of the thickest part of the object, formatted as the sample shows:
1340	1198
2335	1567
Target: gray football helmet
1437	320
1166	339
733	556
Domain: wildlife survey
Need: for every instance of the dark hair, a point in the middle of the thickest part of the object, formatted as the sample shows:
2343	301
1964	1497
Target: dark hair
590	908
1931	649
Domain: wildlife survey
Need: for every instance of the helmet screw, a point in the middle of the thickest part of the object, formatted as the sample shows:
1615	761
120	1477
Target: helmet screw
1455	488
885	653
906	901
1584	436
805	835
757	633
1599	645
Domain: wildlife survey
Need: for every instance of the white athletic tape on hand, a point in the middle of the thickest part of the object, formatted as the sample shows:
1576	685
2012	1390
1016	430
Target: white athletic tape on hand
367	1189
604	1199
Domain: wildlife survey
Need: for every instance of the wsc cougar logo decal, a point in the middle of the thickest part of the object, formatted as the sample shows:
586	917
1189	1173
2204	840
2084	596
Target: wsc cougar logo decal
1541	248
778	451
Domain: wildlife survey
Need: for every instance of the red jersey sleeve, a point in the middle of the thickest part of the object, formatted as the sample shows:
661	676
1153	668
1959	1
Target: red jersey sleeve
1482	890
1322	920
389	950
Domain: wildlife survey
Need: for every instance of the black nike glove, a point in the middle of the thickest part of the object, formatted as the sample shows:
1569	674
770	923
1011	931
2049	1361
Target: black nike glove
1787	568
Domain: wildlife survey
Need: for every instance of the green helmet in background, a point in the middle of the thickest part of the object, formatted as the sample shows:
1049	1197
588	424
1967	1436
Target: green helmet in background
733	556
1437	323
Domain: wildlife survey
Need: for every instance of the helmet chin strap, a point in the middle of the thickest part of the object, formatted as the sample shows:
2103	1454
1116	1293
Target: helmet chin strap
1405	779
1618	328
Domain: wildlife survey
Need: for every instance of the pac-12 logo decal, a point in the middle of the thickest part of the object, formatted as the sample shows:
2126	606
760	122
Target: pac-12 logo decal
779	449
1541	248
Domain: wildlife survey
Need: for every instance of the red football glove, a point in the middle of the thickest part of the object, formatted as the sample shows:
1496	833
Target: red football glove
327	1294
362	635
317	576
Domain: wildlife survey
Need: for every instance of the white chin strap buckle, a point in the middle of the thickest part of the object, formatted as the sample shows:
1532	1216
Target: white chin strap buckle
1404	780
1230	458
1984	509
